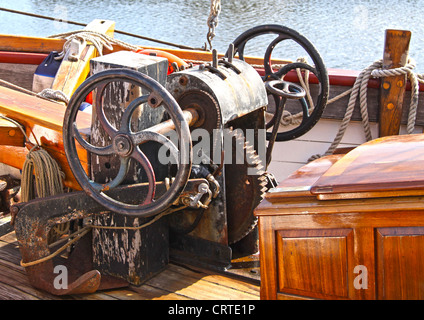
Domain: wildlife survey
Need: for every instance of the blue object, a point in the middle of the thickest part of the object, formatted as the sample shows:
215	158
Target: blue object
45	72
86	107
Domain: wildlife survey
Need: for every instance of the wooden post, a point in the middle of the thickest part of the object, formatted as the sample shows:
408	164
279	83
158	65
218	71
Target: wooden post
393	88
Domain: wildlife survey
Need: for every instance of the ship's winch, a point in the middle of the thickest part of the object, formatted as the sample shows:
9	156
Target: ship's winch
171	167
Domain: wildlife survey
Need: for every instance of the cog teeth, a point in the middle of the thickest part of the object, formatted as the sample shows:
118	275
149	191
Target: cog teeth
263	181
248	147
259	181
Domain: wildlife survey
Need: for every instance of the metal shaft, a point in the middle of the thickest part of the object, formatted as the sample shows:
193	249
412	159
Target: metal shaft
190	115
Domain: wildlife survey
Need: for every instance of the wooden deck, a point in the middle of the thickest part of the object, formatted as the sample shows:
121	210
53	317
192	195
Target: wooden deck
174	283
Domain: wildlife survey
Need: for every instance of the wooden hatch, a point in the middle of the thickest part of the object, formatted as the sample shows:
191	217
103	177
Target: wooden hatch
388	166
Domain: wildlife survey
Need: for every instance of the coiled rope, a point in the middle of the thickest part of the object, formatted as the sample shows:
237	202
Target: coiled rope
42	168
41	175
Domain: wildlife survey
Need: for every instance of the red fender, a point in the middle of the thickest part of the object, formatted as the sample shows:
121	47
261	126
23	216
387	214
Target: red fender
171	58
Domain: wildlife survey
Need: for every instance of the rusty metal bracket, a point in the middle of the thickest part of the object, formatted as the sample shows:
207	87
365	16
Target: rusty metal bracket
33	220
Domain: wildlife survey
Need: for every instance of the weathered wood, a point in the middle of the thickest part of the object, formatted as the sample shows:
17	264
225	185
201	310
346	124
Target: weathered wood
14	279
133	255
21	75
152	293
393	88
174	283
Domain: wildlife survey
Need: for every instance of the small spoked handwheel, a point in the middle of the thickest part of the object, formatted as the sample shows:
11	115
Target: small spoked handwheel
125	143
285	89
310	113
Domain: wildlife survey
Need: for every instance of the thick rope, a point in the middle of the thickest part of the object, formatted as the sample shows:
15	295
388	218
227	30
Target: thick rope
55	95
361	87
42	177
39	165
98	39
414	79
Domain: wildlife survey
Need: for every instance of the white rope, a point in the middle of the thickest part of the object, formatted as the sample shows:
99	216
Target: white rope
52	94
361	87
304	81
98	39
414	79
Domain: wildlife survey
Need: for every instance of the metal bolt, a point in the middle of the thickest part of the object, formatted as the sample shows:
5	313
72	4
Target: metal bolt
214	58
231	52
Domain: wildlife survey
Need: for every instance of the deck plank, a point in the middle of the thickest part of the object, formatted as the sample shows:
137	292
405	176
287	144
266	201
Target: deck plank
197	288
174	283
218	279
152	293
8	292
17	282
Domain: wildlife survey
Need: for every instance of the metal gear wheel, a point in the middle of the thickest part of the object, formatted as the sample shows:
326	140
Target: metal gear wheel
245	187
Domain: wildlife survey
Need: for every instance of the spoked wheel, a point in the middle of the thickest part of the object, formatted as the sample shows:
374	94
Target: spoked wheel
125	143
311	109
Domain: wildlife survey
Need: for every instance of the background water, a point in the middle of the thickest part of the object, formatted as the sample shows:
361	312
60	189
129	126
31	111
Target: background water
348	34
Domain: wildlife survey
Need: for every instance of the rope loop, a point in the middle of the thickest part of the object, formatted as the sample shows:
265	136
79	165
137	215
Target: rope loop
360	88
98	39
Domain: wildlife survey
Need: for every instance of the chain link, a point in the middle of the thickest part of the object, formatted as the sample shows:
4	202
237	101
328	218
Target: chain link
213	21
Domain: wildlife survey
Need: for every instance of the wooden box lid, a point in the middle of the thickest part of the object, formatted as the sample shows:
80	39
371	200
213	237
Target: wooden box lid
377	168
385	167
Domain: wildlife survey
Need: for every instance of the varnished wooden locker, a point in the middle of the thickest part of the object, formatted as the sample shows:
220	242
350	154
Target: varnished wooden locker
319	239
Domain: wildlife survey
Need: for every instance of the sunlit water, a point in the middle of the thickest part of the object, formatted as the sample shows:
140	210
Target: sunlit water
348	34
